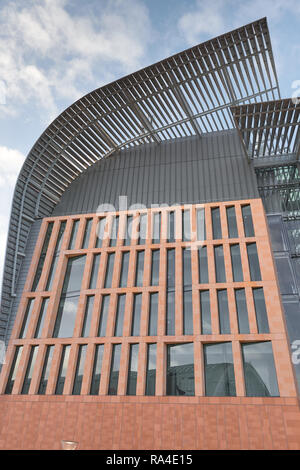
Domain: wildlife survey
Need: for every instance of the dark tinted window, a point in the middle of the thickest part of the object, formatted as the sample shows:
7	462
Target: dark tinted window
132	369
253	262
216	223
219	264
247	219
231	222
205	312
236	262
242	311
260	310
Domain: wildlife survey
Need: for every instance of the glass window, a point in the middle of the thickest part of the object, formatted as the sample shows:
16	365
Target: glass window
219	370
153	312
216	222
29	370
46	370
205	312
156	227
237	270
103	315
142	229
155	267
87	316
136	317
97	366
100	232
171	226
219	264
114	231
151	370
114	369
223	312
66	315
67	309
64	360
26	318
231	222
95	270
56	255
203	265
180	369
73	234
79	369
87	232
109	270
187	312
186	225
42	256
124	268
242	311
139	274
132	369
259	370
260	310
13	370
247	219
41	319
170	327
253	262
201	229
186	267
171	268
276	232
128	230
74	274
120	315
285	275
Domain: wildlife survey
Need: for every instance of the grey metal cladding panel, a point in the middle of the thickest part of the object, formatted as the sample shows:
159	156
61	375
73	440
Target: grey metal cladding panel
188	170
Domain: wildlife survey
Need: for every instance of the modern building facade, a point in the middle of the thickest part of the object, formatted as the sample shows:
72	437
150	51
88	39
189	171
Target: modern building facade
151	286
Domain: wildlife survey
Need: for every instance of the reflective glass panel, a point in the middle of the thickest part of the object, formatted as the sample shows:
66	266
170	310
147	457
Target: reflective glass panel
46	370
219	370
151	370
242	311
97	366
231	222
260	310
114	369
132	369
205	312
236	262
64	360
216	223
223	312
180	369
79	369
259	370
219	264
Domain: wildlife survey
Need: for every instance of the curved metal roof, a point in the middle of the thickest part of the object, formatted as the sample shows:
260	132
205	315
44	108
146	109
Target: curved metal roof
187	94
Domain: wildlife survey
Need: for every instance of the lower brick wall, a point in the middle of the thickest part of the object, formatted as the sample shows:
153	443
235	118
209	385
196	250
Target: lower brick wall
41	422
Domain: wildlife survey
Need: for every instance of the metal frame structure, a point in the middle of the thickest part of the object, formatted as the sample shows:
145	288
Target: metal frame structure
270	131
190	93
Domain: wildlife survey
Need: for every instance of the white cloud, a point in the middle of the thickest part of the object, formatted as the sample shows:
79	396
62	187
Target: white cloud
205	18
48	53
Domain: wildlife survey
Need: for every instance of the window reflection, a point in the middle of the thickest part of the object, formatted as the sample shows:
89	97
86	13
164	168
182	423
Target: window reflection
219	370
67	309
62	370
259	370
151	370
97	366
114	369
180	369
132	369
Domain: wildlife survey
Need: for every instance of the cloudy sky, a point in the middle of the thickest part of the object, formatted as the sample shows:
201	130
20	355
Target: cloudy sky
52	52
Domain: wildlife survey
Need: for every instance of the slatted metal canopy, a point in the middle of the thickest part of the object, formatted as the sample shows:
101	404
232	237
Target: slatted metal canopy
270	131
188	94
